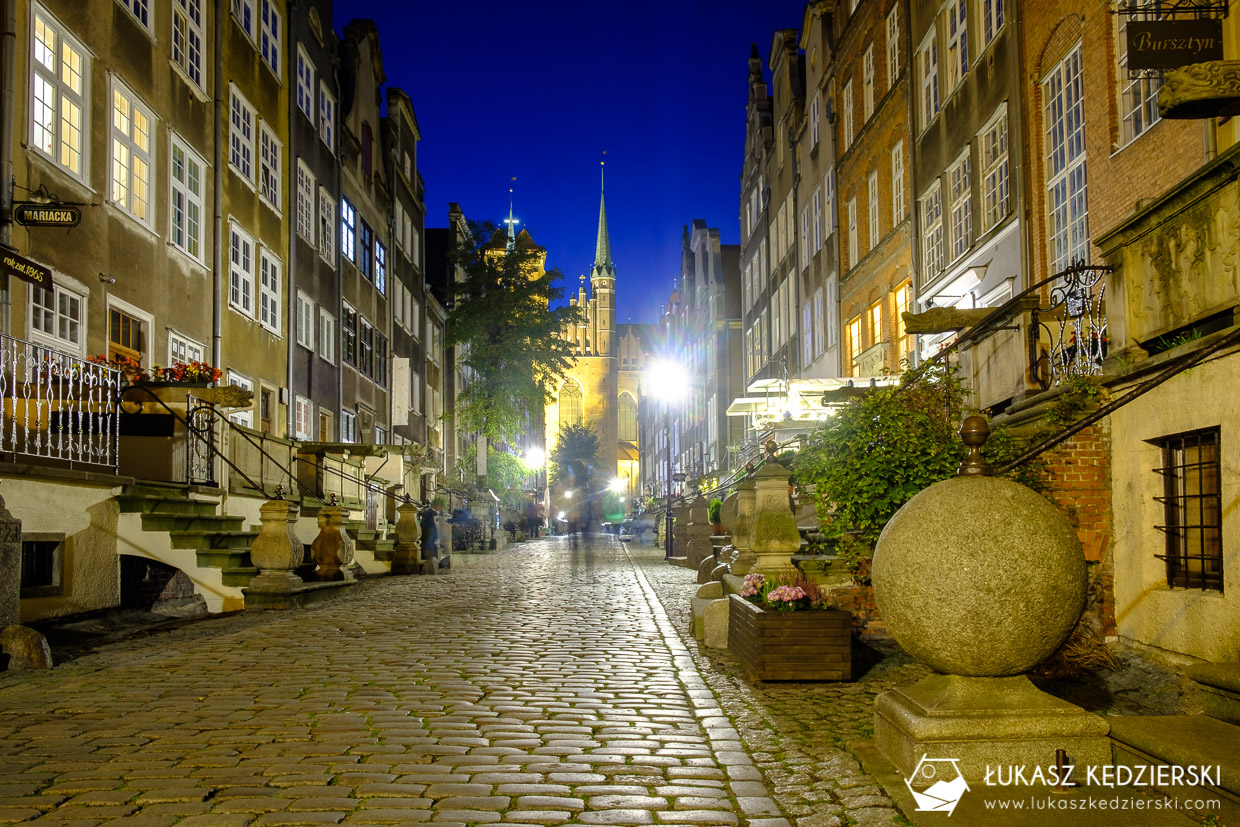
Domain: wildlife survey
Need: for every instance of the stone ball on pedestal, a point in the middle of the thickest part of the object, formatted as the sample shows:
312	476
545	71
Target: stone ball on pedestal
979	576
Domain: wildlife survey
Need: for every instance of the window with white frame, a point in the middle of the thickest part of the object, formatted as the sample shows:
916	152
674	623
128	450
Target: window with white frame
243	13
269	37
415	392
852	344
1138	96
187	38
814	124
348	336
305	201
269	167
993	144
905	344
931	233
327	226
305	82
185	198
131	154
957	44
140	9
992	19
348	230
833	310
303	416
327	336
241	121
240	269
893	45
816	201
872	210
184	349
867	83
269	290
804	236
828	189
846	105
305	321
246	417
348	426
854	252
820	337
415	316
877	327
380	268
898	206
58	318
1063	113
928	75
59	99
807	340
961	190
777	316
327	116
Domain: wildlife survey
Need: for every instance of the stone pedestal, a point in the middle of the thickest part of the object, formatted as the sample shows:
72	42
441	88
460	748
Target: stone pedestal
10	567
738	521
276	552
680	533
985	722
698	546
332	548
774	537
407	555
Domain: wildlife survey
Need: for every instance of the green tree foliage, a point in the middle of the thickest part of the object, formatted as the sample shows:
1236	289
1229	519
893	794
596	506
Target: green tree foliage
576	450
506	472
503	314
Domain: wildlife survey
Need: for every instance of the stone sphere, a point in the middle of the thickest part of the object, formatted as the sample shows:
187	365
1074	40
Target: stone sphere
979	576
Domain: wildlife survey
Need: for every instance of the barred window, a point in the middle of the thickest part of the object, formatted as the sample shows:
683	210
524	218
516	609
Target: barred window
1192	509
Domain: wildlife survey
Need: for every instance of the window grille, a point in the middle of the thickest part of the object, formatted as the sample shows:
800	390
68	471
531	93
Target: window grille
1192	507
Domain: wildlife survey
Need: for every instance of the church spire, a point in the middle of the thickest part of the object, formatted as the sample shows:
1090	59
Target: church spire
512	223
602	250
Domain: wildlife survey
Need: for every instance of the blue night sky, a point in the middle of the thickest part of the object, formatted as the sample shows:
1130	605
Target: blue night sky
539	90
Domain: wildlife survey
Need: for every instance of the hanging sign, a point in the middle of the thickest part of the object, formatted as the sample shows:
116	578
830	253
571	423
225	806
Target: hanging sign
1168	44
47	215
11	264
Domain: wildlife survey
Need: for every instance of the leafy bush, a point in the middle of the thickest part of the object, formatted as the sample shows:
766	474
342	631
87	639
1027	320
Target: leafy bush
712	510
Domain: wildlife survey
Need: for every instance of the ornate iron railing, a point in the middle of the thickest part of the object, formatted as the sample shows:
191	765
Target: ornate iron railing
1079	344
200	448
57	406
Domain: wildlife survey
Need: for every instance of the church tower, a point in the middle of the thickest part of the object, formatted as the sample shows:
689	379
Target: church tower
603	285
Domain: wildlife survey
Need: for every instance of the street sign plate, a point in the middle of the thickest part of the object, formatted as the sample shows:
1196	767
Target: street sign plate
11	264
679	477
47	215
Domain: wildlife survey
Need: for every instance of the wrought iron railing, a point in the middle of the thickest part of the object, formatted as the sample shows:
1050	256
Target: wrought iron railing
57	406
1078	323
200	441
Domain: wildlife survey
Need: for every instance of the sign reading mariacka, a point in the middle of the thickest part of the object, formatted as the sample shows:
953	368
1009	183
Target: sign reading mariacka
1168	44
47	215
11	264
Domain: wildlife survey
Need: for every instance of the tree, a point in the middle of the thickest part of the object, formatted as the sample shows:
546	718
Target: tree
574	455
506	472
503	316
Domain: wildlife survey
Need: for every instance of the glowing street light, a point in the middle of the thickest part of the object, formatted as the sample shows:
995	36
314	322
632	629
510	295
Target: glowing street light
618	485
668	383
535	458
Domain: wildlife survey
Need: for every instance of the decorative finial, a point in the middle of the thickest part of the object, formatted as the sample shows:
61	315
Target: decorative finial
974	432
279	492
333	500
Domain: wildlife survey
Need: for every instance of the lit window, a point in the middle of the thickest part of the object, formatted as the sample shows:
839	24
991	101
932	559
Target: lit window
131	154
852	345
327	226
241	270
56	318
269	41
1192	509
241	136
187	37
185	207
381	268
627	418
931	233
305	202
961	205
60	72
1138	96
348	230
876	323
327	336
904	342
126	335
993	144
1067	207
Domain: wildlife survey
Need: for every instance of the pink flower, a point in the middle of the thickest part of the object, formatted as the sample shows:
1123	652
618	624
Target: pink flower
785	594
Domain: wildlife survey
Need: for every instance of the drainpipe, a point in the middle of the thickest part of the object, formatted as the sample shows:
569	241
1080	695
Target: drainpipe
217	252
336	163
6	154
291	298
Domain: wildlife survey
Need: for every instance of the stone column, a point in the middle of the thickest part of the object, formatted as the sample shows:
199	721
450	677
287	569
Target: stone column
698	547
332	548
10	567
276	550
742	527
680	532
774	535
407	556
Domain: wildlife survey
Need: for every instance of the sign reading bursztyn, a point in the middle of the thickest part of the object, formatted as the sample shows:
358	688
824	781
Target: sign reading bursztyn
1167	44
47	215
11	264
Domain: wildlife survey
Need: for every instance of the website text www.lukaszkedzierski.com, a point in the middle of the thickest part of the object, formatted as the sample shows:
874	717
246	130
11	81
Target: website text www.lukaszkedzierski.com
1203	805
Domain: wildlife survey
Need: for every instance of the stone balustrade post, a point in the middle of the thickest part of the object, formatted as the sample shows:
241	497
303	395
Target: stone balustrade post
774	537
332	548
742	527
407	556
680	532
276	550
10	567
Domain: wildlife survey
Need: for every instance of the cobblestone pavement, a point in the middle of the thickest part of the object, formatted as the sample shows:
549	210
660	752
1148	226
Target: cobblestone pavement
540	685
796	732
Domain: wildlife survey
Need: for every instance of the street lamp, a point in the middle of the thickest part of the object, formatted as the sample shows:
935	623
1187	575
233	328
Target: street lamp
667	381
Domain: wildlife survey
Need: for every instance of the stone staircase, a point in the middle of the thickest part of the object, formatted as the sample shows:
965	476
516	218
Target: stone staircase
1211	739
372	540
180	527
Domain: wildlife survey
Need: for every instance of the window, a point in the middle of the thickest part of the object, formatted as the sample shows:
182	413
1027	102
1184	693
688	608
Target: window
240	270
415	392
928	69
893	45
904	342
381	359
325	426
348	230
852	345
931	233
327	336
993	144
872	186
348	426
365	255
42	564
380	268
183	349
804	237
817	203
185	199
303	416
131	154
59	103
957	43
269	39
807	341
327	226
897	184
246	417
961	205
381	435
269	167
1138	96
327	116
992	20
833	308
853	252
1066	202
814	125
1192	509
243	11
627	418
876	323
187	38
305	202
828	188
241	136
126	335
348	345
305	321
867	83
366	349
264	409
305	83
141	9
571	404
819	332
57	318
847	113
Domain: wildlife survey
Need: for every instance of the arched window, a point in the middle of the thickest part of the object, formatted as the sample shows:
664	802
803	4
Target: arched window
627	418
572	408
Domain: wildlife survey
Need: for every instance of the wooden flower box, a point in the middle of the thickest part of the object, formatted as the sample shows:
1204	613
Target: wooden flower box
790	646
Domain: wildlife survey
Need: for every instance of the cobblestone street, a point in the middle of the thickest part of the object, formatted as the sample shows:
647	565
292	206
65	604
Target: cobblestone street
540	685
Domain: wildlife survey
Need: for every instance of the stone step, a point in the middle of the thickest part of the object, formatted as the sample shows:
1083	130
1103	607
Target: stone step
1220	689
204	539
209	523
1184	740
134	504
225	558
239	575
